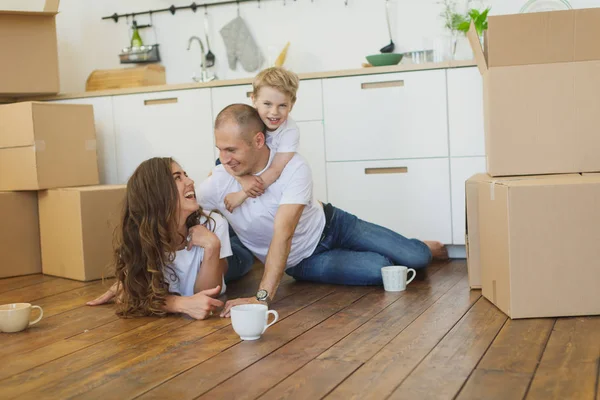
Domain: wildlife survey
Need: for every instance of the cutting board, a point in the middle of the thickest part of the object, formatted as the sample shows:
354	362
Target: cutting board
145	75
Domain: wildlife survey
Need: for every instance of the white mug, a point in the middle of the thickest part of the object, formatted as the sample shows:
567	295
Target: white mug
395	278
15	317
250	321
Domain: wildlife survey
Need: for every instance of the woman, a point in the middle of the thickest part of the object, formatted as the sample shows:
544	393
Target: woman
170	255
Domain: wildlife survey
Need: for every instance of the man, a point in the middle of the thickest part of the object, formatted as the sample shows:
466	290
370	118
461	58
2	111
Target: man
289	230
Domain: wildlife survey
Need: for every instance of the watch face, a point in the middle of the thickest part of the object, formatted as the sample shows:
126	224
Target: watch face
262	294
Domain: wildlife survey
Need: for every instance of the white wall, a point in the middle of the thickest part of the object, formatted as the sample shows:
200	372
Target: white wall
324	34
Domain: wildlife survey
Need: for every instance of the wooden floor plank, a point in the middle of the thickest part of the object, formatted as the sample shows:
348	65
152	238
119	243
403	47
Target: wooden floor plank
507	368
366	341
54	329
187	335
18	282
266	373
446	368
569	365
380	375
13	365
67	370
71	299
312	383
31	293
236	355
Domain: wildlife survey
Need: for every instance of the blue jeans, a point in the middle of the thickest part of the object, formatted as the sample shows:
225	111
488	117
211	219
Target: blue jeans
240	262
352	252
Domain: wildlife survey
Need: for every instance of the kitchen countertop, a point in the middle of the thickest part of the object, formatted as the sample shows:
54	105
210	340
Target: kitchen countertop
247	81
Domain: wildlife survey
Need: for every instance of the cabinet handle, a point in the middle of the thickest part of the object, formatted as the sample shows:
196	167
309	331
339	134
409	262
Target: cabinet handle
386	170
156	102
379	85
249	94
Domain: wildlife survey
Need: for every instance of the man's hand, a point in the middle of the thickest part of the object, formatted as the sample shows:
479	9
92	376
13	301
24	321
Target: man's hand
253	185
226	313
199	306
234	200
107	297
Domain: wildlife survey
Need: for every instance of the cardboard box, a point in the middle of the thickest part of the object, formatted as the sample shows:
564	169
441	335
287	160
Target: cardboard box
472	228
19	234
541	79
539	245
46	145
29	51
76	227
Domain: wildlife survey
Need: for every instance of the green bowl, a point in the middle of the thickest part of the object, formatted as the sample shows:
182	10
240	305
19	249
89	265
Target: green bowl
379	60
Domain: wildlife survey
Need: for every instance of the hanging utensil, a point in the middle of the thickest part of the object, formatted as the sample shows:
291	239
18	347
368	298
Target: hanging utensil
390	47
210	57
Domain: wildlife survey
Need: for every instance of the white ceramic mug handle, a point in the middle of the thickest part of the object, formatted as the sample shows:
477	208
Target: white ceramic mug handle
40	317
413	275
274	320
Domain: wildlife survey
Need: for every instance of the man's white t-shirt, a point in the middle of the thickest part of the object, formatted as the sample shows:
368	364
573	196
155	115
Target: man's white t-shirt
187	263
284	139
254	220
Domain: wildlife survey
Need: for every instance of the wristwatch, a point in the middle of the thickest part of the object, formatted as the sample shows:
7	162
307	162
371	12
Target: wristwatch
263	295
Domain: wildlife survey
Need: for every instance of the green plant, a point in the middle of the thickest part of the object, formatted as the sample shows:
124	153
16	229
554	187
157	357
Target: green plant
455	21
479	18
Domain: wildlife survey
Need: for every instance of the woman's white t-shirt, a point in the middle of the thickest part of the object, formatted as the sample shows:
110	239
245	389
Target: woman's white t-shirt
187	263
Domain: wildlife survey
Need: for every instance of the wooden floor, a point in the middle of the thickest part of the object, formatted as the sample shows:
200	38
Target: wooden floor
436	340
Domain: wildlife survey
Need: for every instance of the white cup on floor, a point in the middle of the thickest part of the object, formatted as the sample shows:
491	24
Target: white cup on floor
395	277
250	321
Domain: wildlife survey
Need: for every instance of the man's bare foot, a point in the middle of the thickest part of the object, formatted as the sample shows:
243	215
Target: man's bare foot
438	250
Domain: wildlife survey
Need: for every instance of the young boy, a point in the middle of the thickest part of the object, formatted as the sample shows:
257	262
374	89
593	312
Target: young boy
274	96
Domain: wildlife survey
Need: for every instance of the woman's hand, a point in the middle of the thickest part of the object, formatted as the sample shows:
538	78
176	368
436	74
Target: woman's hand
199	306
200	236
106	297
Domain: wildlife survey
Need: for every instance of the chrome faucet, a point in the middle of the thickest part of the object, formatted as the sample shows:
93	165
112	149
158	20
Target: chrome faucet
204	75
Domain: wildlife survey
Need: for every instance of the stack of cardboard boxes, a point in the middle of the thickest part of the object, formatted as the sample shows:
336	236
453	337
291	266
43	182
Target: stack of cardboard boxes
533	221
55	218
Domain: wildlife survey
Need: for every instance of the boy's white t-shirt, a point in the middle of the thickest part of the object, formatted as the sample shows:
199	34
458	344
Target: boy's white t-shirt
284	139
187	263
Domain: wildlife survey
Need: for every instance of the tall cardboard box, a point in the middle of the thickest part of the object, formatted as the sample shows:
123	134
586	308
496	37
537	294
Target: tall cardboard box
76	229
541	79
19	234
29	51
46	145
539	245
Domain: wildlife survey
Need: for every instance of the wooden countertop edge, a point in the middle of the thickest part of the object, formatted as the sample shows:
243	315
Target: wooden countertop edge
247	81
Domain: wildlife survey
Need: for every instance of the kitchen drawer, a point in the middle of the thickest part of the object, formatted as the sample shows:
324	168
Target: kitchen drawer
312	148
105	136
465	112
174	124
462	169
411	197
309	104
388	116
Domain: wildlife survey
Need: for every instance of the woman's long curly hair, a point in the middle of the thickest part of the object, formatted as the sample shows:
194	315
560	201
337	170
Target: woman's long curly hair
147	238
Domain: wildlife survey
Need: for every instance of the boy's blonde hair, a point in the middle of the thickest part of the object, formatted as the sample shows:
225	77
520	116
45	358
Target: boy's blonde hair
278	78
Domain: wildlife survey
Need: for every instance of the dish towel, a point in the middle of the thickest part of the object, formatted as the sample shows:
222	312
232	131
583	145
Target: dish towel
241	46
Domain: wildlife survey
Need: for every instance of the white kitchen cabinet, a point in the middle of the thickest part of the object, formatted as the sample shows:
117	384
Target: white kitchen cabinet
388	116
461	169
309	103
312	148
411	197
465	112
105	136
174	124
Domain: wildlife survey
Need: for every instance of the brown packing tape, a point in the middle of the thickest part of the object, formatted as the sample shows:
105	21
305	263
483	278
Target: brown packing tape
90	144
477	49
